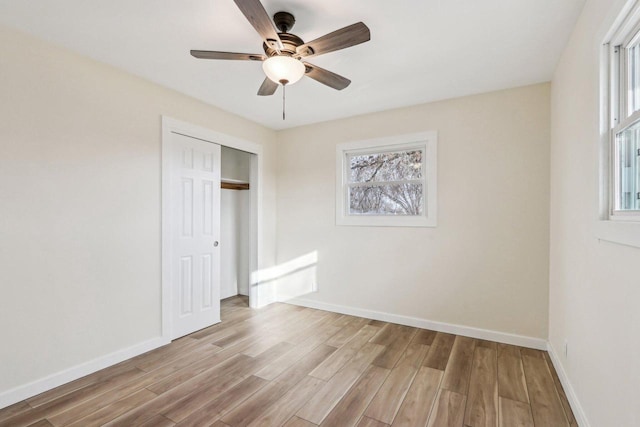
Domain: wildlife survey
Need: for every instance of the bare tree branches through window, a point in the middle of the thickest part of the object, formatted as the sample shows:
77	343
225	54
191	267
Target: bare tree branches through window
386	183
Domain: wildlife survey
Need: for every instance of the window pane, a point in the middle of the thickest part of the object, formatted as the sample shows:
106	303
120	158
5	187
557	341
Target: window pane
633	89
397	199
389	166
628	168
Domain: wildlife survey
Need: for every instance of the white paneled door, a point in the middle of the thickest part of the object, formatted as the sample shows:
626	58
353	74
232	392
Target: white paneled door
195	231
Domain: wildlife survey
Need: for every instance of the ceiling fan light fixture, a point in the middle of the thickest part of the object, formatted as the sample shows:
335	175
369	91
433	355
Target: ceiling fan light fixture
283	69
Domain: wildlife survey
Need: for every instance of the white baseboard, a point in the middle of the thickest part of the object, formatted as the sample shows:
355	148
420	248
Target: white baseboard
34	388
578	411
467	331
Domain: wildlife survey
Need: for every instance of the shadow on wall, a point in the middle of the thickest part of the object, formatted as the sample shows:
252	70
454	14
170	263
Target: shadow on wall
287	280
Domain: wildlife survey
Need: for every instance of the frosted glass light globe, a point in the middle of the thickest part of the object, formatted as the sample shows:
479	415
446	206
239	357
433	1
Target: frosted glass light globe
285	69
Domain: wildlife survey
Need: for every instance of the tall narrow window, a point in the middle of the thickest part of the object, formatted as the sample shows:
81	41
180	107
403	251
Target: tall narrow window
623	176
619	213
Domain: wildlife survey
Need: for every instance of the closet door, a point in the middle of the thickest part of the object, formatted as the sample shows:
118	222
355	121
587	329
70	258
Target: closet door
195	225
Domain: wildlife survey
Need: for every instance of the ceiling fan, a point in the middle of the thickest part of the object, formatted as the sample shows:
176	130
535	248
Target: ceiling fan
285	54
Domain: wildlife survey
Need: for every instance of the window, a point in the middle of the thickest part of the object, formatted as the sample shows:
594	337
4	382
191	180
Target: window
619	214
387	182
623	133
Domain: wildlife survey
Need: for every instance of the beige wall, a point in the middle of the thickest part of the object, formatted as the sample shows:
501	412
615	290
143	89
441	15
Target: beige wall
485	265
80	205
594	286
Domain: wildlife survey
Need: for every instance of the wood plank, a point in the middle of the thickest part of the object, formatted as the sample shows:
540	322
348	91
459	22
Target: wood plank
157	421
109	412
251	409
216	408
424	337
238	365
298	422
439	351
41	423
262	344
281	364
13	410
370	422
317	408
65	389
508	350
202	349
393	351
456	375
304	366
219	360
182	408
348	331
377	323
387	401
511	380
69	400
342	320
289	332
285	407
152	360
235	337
515	414
448	410
389	333
545	403
93	405
531	352
345	353
482	401
321	325
563	397
349	410
199	384
419	400
488	344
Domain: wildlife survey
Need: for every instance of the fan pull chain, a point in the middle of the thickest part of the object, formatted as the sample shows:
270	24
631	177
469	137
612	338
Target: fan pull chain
284	85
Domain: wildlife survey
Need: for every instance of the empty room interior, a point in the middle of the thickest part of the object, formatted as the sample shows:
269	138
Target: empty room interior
304	213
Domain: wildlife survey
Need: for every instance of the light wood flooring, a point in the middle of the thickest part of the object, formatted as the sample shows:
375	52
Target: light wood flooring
299	367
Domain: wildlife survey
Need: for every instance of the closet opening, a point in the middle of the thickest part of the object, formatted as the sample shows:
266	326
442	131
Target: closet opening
235	216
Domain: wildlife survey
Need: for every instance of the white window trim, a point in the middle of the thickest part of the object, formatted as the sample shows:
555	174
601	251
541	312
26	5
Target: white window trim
610	226
426	140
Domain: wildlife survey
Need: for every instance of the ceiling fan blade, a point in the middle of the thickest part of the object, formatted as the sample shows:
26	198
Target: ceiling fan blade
259	18
268	87
339	39
326	77
211	54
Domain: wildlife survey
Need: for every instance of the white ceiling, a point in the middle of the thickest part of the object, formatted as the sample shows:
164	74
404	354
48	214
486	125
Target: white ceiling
420	50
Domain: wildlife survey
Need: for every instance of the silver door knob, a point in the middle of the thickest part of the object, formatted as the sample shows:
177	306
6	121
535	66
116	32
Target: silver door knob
215	244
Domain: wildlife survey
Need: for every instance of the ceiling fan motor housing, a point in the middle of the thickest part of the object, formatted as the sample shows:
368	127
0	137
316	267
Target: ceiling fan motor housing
284	22
289	43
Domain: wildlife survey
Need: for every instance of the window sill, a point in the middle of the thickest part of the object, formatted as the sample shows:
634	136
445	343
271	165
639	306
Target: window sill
621	232
378	221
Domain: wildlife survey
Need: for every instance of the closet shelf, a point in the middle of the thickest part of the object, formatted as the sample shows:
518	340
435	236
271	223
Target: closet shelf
233	184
